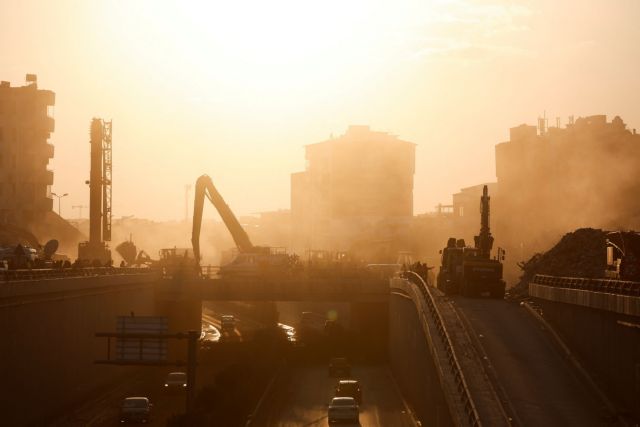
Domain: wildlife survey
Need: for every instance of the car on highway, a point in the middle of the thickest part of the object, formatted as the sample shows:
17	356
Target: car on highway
289	331
227	323
176	381
349	388
209	335
135	409
339	367
343	409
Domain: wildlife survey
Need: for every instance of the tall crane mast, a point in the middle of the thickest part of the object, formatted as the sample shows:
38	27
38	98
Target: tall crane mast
100	180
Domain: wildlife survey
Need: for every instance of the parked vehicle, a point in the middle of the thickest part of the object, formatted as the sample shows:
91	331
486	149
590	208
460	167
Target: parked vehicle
470	271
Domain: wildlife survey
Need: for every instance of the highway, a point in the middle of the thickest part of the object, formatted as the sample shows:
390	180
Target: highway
539	382
304	398
103	409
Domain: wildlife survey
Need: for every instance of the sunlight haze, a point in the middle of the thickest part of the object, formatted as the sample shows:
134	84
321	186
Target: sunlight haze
236	89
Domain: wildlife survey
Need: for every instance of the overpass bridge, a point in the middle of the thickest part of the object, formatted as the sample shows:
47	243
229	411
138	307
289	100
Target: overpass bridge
457	361
357	288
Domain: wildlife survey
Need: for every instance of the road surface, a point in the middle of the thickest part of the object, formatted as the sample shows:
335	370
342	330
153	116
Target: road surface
303	400
540	384
104	408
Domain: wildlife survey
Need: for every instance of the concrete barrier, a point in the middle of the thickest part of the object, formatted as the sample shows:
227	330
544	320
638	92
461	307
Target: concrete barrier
48	343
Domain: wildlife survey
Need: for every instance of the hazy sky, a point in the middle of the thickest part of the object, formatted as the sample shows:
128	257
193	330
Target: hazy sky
235	89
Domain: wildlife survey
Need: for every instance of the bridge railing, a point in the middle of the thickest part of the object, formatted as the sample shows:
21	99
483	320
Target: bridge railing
57	273
609	286
471	412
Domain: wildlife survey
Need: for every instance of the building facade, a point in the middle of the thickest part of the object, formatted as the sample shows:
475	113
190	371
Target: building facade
353	183
26	123
555	180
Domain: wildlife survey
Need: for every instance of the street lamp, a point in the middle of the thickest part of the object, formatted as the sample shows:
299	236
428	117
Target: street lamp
59	197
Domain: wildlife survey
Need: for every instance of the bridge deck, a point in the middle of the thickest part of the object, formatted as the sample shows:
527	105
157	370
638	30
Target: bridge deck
287	288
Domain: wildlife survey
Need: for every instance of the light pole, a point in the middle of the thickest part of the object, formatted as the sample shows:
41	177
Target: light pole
79	207
59	197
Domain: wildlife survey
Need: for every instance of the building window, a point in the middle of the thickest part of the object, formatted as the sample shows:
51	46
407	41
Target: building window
461	211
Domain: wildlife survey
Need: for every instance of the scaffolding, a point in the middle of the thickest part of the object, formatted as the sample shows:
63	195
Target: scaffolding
106	180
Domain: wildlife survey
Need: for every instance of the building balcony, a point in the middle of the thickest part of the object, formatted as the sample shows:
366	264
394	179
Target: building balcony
49	151
44	204
47	97
44	177
49	124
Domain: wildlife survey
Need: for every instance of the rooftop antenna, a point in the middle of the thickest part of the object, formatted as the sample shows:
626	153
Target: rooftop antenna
571	120
542	124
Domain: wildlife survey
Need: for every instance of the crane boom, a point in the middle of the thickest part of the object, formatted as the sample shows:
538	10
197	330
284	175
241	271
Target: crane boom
205	187
484	241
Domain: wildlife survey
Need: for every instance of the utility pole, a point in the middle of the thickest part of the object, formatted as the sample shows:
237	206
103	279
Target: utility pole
79	207
59	197
192	356
187	188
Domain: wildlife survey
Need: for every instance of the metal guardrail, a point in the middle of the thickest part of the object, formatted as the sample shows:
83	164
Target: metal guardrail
58	273
609	286
471	413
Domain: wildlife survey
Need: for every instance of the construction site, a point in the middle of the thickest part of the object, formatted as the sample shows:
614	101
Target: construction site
339	272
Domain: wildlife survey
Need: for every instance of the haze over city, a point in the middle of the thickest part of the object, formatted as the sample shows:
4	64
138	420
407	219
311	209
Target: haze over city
291	213
236	89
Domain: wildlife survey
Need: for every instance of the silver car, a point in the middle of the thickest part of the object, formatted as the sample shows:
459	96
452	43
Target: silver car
343	409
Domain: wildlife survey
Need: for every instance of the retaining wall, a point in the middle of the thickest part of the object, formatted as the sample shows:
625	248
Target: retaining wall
48	343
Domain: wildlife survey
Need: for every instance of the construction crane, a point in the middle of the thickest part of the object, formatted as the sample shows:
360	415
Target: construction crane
251	260
470	271
484	241
96	250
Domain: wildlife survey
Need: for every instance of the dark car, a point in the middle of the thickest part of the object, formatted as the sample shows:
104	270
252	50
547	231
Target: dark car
176	382
343	409
349	388
339	367
135	409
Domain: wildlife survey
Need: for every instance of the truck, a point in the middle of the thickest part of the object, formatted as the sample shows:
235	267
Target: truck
470	270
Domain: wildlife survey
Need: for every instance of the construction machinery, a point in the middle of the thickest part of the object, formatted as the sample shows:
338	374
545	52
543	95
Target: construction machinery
96	251
471	271
623	255
251	260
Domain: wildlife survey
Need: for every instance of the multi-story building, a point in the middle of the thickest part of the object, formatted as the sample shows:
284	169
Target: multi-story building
26	123
554	180
353	183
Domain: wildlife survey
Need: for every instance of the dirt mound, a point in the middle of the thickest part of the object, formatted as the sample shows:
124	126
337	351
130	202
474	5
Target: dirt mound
582	253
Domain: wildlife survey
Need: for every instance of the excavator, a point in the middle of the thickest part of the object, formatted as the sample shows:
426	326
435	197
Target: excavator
251	260
471	270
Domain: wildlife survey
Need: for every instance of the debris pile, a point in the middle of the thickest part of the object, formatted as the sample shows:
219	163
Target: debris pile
582	253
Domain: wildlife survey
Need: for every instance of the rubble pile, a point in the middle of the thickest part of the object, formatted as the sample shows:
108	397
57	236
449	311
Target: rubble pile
582	253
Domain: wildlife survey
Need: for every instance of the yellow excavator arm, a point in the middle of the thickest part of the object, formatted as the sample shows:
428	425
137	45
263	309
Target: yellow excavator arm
205	187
